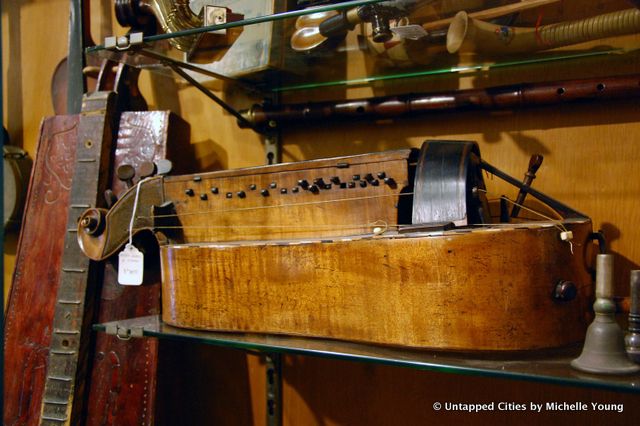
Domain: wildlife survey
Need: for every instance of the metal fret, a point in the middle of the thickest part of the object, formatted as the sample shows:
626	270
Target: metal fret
60	378
66	332
62	352
54	419
55	401
78	270
69	302
80	206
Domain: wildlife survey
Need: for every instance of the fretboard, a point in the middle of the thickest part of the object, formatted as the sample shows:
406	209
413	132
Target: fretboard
69	335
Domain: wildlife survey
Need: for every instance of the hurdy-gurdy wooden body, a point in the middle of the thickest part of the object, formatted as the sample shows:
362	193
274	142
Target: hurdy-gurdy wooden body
392	248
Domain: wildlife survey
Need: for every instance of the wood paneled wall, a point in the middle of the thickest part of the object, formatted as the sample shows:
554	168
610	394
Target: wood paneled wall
592	152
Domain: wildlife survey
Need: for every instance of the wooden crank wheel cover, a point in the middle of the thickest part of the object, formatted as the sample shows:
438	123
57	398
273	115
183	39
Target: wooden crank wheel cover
448	184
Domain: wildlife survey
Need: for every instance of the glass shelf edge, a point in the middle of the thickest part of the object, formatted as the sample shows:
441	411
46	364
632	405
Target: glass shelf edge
245	342
363	81
249	21
451	70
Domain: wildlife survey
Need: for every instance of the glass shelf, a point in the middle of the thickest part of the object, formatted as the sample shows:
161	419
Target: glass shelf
538	366
256	47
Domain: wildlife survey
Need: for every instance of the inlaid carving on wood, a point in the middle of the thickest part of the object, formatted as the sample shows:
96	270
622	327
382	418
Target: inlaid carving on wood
35	278
59	160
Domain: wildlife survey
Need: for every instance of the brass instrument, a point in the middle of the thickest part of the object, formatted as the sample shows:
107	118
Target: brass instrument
468	34
632	338
604	350
172	16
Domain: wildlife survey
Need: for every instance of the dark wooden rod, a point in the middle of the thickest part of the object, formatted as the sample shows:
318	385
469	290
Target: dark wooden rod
500	97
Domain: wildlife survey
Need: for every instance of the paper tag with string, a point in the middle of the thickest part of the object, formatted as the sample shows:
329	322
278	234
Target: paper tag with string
130	266
131	260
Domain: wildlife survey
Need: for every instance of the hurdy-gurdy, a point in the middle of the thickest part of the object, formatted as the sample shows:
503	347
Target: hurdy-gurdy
398	248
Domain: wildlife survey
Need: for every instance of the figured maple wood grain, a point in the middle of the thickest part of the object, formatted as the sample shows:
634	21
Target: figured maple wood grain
481	290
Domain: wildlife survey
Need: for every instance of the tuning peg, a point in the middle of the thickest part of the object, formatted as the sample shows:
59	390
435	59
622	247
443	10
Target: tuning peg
147	169
159	167
534	164
164	166
126	173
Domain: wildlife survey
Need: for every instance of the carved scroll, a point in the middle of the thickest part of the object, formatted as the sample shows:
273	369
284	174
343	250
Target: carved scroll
123	375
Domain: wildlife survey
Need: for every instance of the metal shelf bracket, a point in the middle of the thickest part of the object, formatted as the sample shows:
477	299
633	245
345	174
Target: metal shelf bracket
274	388
123	333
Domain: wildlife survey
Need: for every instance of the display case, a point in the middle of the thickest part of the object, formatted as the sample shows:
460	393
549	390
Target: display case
421	47
365	42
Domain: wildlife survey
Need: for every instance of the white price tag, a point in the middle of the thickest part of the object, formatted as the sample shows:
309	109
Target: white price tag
130	266
411	32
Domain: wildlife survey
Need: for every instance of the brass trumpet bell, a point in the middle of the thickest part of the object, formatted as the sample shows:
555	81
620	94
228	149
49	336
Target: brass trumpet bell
632	339
604	350
306	39
314	19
